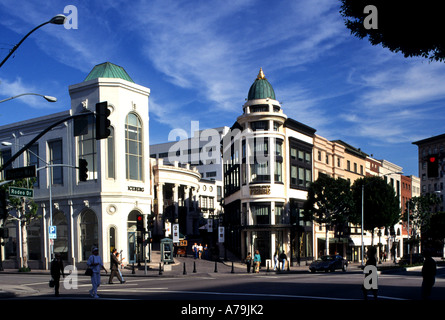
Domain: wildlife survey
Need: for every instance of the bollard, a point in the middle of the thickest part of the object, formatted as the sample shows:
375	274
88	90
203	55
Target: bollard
233	270
216	267
160	269
184	272
132	269
194	267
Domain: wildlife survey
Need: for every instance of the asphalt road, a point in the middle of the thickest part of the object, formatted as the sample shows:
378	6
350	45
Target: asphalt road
210	294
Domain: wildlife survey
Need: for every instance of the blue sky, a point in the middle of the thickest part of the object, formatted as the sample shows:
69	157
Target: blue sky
199	58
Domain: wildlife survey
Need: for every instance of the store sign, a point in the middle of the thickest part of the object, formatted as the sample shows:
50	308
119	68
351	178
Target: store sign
139	189
256	190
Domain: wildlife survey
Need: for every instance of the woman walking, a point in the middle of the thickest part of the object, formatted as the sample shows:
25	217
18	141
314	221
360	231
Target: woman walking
257	261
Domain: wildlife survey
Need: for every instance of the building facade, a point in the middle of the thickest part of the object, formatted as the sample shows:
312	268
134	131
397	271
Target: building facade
267	160
101	211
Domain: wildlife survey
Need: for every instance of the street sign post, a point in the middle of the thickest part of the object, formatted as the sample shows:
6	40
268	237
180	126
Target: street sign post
21	192
52	231
20	173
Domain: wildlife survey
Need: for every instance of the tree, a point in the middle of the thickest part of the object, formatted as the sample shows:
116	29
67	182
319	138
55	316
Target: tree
23	210
329	202
380	204
414	28
420	211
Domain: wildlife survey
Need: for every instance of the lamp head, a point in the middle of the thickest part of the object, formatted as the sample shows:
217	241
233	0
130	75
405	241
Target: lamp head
58	19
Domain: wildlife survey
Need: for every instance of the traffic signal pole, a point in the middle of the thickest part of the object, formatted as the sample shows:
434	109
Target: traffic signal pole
29	144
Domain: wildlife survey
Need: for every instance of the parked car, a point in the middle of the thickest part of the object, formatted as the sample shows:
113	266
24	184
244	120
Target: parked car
329	263
417	258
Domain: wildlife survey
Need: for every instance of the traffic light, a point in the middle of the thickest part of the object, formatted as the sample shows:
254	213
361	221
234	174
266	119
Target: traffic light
140	223
433	166
83	170
3	204
102	121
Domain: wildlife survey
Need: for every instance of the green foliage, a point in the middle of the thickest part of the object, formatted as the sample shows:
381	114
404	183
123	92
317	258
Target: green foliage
420	210
329	201
380	203
414	28
15	203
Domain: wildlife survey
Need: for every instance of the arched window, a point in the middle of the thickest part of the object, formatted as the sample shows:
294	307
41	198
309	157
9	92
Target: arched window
133	147
88	233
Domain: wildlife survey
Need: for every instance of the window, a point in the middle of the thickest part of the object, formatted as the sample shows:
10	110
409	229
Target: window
279	214
5	156
133	147
33	159
55	157
260	108
259	168
278	160
87	149
111	156
260	213
301	165
259	125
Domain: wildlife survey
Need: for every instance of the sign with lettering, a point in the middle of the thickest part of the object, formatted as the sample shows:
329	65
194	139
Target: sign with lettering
139	189
21	192
256	190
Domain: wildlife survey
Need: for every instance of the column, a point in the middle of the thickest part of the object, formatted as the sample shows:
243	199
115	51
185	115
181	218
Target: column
71	226
176	200
46	258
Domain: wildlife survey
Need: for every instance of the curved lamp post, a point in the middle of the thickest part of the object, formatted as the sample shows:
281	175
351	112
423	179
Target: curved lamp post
47	98
58	19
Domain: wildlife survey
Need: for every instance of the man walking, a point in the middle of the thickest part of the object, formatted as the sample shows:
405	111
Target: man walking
96	264
114	267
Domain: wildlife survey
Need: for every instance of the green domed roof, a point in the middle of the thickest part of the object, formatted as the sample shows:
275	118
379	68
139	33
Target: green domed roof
261	88
108	70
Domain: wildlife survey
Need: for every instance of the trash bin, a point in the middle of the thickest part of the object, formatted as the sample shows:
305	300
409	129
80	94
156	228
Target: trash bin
167	250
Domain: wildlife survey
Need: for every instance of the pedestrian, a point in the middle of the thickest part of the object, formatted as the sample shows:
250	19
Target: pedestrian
249	261
195	250
283	259
56	271
206	252
275	260
257	261
96	264
200	251
114	268
121	264
373	262
428	274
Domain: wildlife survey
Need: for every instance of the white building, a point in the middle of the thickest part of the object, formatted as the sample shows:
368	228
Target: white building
267	171
122	182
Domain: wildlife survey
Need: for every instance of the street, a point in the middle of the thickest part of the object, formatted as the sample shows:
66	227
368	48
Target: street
226	284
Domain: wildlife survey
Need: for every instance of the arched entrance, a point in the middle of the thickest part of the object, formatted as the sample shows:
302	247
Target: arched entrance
88	233
61	242
134	238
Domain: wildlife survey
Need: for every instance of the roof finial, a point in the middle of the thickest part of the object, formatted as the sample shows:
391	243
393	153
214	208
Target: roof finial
261	74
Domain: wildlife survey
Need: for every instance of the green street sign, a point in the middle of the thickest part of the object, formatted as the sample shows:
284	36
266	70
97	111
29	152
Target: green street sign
21	192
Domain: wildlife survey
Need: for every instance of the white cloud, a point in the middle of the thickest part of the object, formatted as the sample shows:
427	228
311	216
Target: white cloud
18	87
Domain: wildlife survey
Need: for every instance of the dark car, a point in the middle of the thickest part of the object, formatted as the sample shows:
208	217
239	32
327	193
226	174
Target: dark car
329	264
416	259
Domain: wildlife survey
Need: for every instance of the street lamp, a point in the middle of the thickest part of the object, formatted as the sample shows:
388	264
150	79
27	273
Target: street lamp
58	19
47	98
